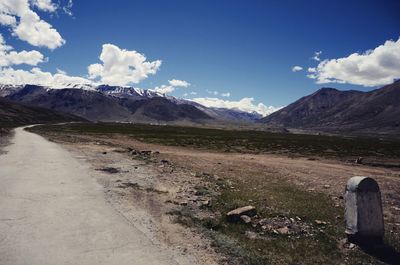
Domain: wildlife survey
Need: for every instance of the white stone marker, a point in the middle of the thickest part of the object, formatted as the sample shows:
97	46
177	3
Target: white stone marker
363	214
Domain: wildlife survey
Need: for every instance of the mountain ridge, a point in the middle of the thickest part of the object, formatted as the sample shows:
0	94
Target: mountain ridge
12	113
333	110
114	103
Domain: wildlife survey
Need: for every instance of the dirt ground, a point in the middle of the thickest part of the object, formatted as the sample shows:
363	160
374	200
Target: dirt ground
148	186
5	136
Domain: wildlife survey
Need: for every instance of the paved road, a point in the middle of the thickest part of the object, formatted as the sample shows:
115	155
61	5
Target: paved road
53	212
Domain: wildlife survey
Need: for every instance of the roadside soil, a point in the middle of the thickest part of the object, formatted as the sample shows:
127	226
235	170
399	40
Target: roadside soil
148	182
146	193
5	136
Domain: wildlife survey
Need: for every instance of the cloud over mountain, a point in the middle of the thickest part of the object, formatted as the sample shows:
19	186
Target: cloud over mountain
38	77
10	57
122	67
379	66
172	86
245	104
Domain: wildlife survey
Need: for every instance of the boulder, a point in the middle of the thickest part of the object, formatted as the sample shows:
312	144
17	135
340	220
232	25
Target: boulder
234	215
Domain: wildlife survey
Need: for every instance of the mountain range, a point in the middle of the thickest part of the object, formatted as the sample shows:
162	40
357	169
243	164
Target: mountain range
331	110
12	113
122	104
327	110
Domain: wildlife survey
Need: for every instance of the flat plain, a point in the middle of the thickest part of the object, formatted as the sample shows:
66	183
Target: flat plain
295	181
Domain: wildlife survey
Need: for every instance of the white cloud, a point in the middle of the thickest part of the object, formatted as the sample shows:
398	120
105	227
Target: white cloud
60	71
164	89
311	69
38	32
193	93
316	56
9	57
173	85
67	8
213	92
379	66
227	94
24	57
245	104
27	25
178	83
45	5
7	20
122	67
297	68
36	76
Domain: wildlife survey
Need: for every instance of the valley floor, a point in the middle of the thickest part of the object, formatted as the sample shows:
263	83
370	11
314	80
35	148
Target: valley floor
56	209
179	196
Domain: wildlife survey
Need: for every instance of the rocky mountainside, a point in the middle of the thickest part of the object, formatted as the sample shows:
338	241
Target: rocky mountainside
125	104
331	110
12	113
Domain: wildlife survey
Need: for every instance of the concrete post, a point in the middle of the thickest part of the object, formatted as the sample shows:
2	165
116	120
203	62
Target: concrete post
363	213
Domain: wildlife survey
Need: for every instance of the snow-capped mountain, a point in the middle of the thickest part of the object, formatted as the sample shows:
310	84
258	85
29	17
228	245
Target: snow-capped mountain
115	103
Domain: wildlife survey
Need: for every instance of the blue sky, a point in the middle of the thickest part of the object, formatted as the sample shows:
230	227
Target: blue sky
244	48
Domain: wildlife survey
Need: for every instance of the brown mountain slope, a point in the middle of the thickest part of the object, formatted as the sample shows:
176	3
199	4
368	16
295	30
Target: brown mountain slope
91	105
101	106
331	110
159	108
13	114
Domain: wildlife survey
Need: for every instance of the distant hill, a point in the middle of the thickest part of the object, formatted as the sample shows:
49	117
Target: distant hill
122	104
162	109
331	110
12	114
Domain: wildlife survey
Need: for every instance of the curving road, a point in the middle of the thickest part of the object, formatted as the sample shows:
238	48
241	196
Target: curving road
53	212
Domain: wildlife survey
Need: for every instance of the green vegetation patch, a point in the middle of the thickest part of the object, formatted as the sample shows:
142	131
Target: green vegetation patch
240	141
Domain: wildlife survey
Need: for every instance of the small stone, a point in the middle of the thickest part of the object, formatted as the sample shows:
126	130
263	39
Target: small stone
205	203
251	234
319	222
327	186
283	230
395	208
245	219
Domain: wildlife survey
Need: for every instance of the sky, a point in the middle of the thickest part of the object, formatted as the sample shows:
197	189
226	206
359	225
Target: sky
248	54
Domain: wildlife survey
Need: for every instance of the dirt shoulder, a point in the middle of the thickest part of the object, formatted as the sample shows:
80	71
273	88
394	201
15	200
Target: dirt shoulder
146	194
180	195
5	136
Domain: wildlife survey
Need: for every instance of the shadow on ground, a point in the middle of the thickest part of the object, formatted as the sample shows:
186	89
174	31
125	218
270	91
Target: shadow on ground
383	252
